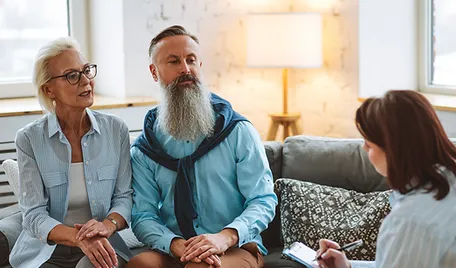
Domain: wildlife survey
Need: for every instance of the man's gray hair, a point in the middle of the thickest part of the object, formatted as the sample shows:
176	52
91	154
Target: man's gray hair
41	67
174	30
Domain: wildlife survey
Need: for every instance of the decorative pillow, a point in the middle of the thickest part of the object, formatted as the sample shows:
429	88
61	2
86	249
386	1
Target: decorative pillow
12	173
310	212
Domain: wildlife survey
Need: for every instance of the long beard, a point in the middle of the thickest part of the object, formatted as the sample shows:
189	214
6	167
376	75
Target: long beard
186	112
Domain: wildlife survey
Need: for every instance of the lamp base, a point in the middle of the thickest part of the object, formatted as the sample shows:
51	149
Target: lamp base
288	121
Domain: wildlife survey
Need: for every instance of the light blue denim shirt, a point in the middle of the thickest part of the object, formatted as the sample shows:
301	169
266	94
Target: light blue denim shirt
44	159
233	189
419	231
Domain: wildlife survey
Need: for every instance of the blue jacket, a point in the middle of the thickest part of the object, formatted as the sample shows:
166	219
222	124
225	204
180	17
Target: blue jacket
44	159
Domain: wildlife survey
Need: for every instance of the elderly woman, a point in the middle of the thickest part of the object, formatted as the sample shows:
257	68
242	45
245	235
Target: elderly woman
75	173
405	142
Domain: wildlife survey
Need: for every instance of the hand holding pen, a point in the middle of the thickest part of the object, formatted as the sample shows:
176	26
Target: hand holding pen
332	255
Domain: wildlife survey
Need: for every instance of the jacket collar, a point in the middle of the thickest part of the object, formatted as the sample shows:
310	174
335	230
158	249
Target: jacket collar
54	125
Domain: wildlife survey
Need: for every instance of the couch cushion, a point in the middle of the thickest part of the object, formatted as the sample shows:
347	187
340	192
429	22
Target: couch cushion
274	260
10	228
4	250
274	154
130	238
272	236
330	161
310	212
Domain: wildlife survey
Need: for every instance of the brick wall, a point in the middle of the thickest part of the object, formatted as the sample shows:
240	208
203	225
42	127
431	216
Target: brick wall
326	97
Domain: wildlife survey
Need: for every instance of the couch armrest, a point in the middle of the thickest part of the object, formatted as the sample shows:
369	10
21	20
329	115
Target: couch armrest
274	153
272	235
10	228
8	211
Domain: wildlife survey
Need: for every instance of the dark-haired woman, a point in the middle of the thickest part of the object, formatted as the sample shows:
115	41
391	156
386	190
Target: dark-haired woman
406	142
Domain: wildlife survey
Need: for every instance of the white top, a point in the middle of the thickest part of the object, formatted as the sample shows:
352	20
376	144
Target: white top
78	201
419	231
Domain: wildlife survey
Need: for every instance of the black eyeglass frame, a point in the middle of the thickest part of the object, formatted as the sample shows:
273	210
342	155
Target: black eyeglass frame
79	72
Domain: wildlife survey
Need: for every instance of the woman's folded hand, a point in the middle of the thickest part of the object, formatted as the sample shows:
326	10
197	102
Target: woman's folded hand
99	251
91	229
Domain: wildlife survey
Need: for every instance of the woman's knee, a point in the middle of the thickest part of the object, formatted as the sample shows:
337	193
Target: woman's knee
85	262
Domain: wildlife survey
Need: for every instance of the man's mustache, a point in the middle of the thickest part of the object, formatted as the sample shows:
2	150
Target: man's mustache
186	78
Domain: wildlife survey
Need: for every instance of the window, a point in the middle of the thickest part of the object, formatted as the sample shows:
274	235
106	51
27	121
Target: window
25	26
438	46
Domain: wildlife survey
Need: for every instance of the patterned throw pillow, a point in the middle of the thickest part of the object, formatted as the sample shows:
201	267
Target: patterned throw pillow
311	211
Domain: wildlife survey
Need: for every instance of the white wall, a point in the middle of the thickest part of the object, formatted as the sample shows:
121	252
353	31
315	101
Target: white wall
448	120
137	22
326	97
388	50
107	45
369	46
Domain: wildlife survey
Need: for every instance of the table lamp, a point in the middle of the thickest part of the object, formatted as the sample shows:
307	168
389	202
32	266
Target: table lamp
284	40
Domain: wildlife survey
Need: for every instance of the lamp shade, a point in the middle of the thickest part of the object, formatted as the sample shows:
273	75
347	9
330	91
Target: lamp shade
284	40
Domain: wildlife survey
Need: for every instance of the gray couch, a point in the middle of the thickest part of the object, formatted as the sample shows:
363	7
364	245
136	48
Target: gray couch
327	161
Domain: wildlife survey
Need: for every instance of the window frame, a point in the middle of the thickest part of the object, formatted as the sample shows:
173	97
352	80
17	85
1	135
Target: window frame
425	49
78	24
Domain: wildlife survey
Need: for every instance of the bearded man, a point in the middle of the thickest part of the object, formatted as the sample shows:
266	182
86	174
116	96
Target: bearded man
203	190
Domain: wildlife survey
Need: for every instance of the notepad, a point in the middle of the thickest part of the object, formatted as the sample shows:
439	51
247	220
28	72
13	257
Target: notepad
302	254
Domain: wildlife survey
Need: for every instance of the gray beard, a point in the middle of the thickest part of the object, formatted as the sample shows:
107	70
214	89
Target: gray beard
186	112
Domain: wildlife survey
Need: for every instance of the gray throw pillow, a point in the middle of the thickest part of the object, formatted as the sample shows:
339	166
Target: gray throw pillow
310	212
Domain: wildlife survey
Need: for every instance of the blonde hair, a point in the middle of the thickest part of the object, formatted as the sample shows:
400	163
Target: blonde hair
41	67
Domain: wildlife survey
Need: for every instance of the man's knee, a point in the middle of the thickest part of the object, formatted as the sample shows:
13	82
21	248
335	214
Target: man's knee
146	260
149	259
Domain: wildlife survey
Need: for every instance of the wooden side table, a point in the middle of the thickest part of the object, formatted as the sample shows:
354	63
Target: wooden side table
287	120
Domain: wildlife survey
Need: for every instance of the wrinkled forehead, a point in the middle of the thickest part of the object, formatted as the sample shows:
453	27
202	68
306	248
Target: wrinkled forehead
181	46
70	59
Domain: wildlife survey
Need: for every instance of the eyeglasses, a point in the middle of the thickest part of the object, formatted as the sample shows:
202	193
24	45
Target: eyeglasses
90	71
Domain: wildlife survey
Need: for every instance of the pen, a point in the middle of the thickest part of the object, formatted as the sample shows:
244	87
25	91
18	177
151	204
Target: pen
346	247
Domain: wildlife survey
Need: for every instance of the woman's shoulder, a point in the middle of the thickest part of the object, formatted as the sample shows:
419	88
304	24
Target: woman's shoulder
36	127
105	120
421	209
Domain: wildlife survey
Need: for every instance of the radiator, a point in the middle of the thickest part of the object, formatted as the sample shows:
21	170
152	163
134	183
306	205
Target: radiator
7	198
